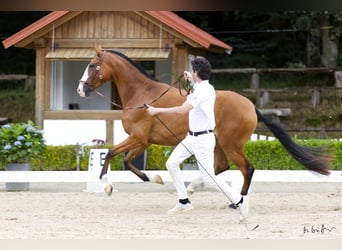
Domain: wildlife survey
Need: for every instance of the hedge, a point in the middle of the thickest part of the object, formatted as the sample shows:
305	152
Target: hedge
262	154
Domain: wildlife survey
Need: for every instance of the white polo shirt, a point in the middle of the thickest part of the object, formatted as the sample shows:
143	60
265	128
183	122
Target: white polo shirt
202	116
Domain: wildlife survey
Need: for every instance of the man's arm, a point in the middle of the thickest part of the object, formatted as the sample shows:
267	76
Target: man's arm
184	108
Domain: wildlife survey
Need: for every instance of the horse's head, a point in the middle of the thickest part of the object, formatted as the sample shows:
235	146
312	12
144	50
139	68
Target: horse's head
94	75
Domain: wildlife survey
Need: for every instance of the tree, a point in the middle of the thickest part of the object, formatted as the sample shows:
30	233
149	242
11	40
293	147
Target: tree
323	31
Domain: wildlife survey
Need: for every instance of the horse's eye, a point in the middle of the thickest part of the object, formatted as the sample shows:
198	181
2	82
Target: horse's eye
91	66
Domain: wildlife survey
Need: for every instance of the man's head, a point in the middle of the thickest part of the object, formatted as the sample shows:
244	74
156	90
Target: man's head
202	67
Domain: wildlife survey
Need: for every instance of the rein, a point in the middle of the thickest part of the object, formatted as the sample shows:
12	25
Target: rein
188	89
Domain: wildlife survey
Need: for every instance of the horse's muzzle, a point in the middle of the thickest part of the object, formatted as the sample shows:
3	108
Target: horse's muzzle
83	89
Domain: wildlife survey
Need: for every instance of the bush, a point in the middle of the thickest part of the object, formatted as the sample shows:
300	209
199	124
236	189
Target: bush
63	158
20	142
271	155
263	155
157	156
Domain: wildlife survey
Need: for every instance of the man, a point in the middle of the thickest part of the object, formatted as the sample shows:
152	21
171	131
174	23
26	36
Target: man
200	140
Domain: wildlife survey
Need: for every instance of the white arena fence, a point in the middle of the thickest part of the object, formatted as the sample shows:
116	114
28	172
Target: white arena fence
72	132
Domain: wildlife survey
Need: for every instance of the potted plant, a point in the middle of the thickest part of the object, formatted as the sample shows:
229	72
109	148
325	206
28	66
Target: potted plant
19	143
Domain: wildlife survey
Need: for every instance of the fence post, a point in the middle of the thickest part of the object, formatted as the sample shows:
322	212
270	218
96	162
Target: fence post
255	81
338	79
263	99
315	98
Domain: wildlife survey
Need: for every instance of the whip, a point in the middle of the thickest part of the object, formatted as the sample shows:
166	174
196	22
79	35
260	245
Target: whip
180	142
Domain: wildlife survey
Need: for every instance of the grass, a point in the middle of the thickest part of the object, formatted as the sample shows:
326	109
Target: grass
17	104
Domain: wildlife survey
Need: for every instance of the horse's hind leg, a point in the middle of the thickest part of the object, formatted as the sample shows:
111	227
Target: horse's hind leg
132	154
220	159
127	162
245	167
131	142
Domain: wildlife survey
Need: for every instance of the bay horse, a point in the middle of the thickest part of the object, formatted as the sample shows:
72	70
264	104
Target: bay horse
236	119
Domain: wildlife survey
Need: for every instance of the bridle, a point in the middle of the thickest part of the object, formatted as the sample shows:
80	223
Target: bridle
88	86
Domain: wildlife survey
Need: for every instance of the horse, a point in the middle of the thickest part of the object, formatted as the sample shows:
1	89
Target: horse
236	119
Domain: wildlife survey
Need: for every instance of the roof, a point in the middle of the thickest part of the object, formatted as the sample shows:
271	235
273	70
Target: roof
188	29
32	28
168	18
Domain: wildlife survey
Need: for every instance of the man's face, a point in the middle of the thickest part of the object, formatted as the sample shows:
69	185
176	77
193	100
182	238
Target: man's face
194	75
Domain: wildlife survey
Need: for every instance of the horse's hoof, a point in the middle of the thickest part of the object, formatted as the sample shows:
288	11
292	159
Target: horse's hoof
157	179
108	189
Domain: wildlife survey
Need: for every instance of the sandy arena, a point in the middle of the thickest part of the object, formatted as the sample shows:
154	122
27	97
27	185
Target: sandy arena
138	211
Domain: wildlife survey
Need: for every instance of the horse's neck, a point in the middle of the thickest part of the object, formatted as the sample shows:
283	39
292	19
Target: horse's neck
134	87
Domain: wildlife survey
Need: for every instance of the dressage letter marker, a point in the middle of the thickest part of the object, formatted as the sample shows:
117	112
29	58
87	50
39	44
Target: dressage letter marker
96	162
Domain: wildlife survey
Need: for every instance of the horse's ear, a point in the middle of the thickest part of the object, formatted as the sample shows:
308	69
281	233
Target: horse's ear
97	48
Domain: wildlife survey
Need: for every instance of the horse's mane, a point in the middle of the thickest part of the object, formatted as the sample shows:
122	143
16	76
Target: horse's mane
141	69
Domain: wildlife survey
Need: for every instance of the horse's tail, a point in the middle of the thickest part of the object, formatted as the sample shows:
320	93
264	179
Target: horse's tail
308	157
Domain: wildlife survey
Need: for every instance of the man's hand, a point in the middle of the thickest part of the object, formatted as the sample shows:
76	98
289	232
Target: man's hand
188	76
151	110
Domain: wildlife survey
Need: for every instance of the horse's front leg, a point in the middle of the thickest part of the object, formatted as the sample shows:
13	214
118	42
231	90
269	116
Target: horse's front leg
108	158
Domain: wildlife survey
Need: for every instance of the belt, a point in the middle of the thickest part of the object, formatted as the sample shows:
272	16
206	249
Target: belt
200	132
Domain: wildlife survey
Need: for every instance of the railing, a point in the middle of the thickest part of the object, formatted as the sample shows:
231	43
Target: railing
322	133
29	81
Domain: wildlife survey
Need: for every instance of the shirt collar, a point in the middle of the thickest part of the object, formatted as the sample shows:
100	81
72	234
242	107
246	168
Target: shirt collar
197	84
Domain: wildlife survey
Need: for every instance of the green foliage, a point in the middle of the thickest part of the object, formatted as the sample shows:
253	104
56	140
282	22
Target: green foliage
56	158
157	156
65	158
20	142
263	155
271	155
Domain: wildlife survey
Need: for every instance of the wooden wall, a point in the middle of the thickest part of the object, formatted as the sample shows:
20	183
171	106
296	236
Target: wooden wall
110	29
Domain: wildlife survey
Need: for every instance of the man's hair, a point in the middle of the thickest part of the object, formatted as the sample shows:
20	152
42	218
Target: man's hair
202	67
